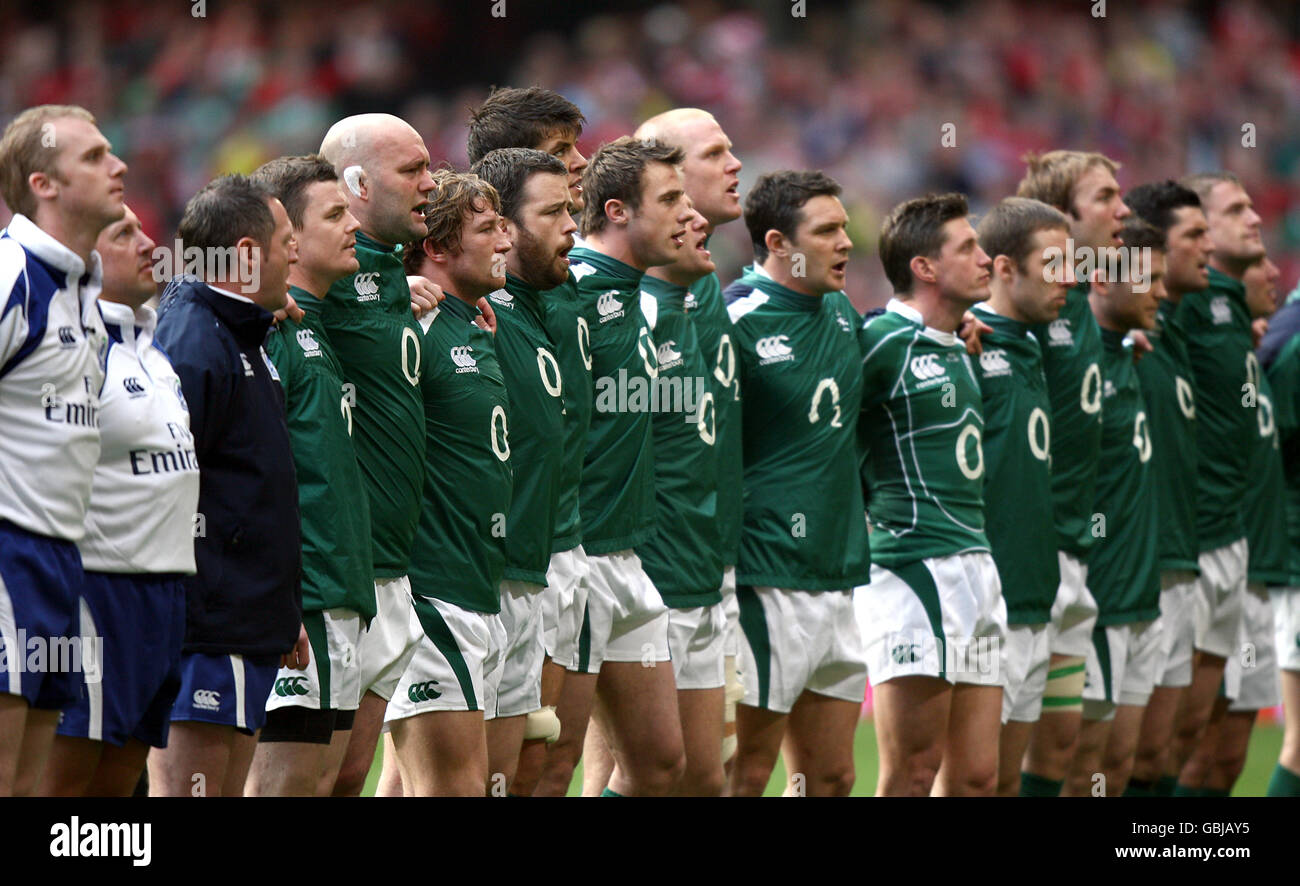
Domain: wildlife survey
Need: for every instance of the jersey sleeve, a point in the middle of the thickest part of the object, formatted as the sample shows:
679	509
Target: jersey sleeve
15	326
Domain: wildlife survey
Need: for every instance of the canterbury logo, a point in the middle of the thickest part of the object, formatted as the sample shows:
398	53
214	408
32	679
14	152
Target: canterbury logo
994	362
307	341
608	305
1220	311
289	686
423	691
133	386
67	338
773	349
668	353
926	367
208	699
366	285
690	302
248	367
502	297
1058	333
460	355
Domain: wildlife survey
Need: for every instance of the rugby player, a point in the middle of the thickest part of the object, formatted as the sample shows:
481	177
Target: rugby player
60	178
309	713
1166	379
449	688
1123	565
138	543
803	545
1225	370
933	618
248	550
1021	236
1083	186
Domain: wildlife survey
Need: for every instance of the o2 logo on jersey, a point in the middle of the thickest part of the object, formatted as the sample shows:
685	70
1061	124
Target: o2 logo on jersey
584	342
1186	399
645	346
773	349
706	419
367	286
1265	416
726	358
926	367
970	460
824	386
411	356
1040	435
500	434
549	370
1142	437
1091	389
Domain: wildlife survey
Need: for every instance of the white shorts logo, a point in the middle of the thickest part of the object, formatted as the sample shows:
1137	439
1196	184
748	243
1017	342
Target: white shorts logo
366	285
926	367
207	699
461	356
773	349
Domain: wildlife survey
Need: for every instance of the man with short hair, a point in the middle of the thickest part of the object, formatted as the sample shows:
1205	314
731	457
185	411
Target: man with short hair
60	178
1024	238
933	617
1083	186
1123	566
804	546
1166	378
138	544
1225	370
248	551
449	688
309	714
531	117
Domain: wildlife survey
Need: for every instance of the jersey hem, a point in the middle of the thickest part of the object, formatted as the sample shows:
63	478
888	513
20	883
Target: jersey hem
1106	620
1210	543
532	576
691	601
800	583
599	547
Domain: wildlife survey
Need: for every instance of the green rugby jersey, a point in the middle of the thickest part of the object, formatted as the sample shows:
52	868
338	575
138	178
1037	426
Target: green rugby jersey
1264	507
1123	566
708	313
535	386
569	331
683	556
921	429
1223	363
377	340
336	567
1283	370
800	368
1072	363
1165	375
1018	474
617	495
460	545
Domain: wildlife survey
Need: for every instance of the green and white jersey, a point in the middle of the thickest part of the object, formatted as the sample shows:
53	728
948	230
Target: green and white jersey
1166	378
1264	508
683	556
617	496
569	331
368	317
921	433
1283	370
460	545
708	313
1017	445
535	386
1226	373
800	368
336	567
1124	566
1072	363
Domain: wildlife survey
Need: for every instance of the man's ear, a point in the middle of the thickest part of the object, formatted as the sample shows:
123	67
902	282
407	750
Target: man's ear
1004	268
43	185
249	253
776	243
923	269
617	212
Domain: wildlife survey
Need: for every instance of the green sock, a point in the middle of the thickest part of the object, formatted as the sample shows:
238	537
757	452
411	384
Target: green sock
1213	792
1284	783
1165	786
608	793
1182	790
1037	786
1137	788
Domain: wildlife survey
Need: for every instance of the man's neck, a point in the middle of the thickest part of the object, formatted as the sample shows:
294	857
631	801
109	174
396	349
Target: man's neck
1234	268
615	245
937	310
368	232
1001	304
1103	317
459	289
67	232
779	271
674	274
314	285
134	302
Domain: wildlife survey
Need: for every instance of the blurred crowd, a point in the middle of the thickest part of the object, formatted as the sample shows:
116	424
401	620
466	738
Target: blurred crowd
865	90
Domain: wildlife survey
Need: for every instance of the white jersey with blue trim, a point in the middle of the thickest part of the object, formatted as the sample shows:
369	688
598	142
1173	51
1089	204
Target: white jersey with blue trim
146	487
52	346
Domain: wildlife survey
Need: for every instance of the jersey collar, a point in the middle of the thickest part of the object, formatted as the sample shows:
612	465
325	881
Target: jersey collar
669	295
779	295
898	306
133	328
458	309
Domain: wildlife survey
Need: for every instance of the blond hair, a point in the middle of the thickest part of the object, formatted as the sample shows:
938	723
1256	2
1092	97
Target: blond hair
1052	177
455	197
25	148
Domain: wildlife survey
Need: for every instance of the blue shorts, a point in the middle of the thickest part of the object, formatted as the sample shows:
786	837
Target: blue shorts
229	690
139	621
40	583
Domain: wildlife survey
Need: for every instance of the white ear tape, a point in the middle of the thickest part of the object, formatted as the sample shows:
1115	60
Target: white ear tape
352	178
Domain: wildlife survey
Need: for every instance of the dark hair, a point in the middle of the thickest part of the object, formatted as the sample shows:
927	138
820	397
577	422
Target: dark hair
1009	228
1136	233
225	210
915	227
509	169
514	117
776	203
288	179
1155	202
617	172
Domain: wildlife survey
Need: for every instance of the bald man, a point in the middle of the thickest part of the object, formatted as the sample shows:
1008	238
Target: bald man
384	166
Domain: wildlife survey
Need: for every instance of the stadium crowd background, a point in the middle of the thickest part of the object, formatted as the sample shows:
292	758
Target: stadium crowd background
860	89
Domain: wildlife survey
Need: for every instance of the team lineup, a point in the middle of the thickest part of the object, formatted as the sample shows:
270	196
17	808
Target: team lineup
489	469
